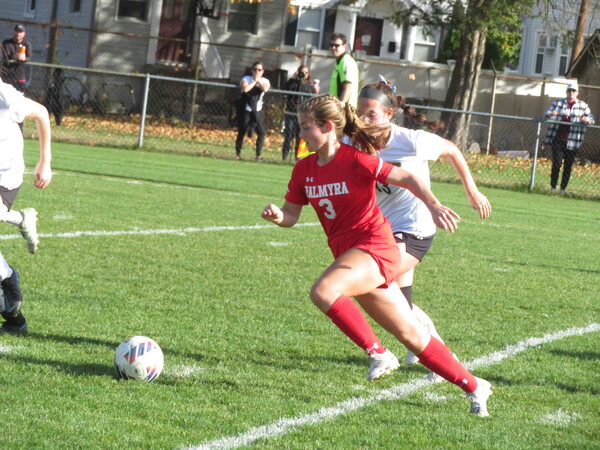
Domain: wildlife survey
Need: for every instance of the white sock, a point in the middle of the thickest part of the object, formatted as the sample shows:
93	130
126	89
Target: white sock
5	269
14	217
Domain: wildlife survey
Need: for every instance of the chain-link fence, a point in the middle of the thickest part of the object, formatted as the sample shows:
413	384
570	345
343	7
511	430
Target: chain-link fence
197	117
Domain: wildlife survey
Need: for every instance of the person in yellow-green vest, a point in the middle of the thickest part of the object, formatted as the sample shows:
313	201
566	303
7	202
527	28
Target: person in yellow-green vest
344	79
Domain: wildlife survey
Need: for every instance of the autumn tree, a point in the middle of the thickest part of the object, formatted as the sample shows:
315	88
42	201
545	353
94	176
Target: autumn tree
470	24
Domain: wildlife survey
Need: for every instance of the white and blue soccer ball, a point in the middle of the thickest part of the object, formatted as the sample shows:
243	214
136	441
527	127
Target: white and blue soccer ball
139	358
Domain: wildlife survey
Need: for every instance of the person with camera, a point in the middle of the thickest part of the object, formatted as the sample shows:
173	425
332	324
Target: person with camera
299	82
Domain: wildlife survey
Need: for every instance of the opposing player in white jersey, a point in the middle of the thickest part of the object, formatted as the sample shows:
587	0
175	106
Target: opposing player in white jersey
412	150
14	108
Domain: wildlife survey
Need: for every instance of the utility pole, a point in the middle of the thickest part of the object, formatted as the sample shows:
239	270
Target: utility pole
578	39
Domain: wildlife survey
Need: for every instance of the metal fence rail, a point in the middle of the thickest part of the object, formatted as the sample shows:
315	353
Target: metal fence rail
155	112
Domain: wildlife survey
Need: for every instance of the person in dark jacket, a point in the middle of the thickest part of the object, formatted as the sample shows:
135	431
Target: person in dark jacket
250	115
15	52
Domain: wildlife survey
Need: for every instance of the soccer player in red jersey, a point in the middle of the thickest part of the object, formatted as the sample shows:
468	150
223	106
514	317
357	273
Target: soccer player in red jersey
339	182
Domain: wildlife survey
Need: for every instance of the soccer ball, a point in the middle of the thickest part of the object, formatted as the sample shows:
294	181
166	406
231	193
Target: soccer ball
138	358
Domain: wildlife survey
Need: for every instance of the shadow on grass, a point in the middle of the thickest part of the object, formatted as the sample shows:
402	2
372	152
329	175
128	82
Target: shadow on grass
112	345
548	266
591	356
68	368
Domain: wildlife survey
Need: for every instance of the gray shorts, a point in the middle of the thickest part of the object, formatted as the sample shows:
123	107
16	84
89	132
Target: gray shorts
415	245
8	196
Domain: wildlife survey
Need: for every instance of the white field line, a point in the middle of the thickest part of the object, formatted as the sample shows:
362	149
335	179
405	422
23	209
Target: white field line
182	231
174	231
287	425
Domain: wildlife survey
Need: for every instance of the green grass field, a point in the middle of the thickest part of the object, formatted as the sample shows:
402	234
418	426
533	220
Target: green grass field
173	247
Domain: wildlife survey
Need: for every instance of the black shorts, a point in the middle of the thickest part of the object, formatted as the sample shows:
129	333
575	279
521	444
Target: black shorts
415	245
8	196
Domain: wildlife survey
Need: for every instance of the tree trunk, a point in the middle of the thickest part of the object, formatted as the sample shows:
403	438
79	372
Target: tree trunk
462	91
578	40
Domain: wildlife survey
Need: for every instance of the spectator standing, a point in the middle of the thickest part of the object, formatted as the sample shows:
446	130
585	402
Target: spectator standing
14	108
344	79
565	140
15	52
250	115
299	82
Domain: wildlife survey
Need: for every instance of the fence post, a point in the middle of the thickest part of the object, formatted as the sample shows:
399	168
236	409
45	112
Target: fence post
144	107
535	153
491	122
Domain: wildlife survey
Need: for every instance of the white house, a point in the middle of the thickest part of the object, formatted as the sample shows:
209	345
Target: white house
545	49
137	34
546	42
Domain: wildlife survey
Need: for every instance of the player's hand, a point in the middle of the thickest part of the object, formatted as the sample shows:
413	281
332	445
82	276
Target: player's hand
42	175
272	213
479	202
445	218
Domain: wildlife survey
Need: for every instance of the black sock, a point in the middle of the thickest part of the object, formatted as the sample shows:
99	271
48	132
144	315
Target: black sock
407	291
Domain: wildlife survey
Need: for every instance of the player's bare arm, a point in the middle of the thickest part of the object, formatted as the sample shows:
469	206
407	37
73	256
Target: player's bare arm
286	216
443	217
477	200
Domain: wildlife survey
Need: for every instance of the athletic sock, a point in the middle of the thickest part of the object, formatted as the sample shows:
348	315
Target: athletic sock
407	291
437	358
350	319
13	217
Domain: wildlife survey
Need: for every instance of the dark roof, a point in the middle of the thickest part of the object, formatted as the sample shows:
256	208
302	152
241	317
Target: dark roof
591	48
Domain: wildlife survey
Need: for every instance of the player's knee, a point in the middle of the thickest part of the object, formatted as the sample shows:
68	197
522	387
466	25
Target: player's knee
321	296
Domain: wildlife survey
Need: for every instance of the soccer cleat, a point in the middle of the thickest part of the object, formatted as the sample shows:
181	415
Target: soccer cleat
479	397
9	328
28	228
12	293
381	364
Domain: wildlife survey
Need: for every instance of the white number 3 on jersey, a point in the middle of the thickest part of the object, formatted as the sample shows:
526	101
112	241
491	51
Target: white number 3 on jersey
329	211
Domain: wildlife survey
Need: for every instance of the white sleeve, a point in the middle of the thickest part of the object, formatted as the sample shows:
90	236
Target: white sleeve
17	107
429	146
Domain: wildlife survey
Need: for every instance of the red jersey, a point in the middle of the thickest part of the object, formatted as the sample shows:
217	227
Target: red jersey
342	192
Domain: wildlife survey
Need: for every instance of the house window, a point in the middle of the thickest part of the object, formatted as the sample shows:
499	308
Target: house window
564	59
75	6
133	9
243	17
310	26
545	57
30	7
541	50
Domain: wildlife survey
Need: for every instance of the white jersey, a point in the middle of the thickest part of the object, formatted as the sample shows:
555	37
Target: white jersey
14	107
411	150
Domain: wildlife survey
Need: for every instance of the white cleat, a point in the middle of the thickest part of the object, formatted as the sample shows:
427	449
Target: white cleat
480	397
28	228
381	364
